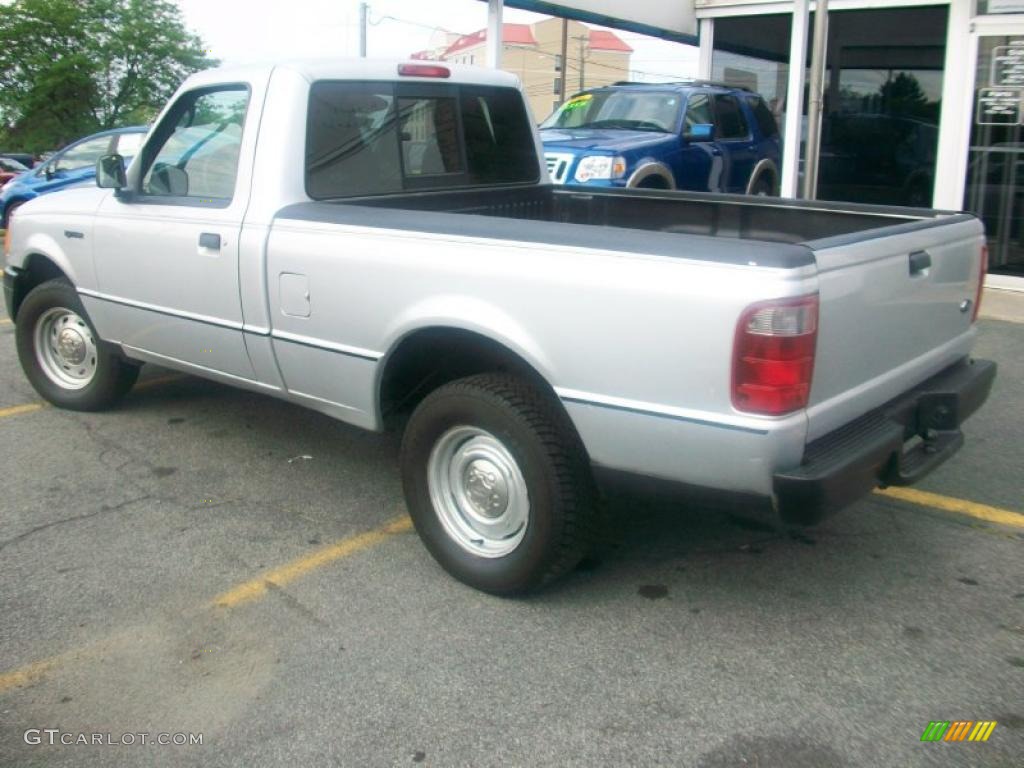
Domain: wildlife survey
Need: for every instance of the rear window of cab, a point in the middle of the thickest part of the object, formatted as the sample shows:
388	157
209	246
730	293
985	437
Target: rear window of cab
371	138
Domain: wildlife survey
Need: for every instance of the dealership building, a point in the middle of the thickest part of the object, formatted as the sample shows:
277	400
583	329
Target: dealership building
922	100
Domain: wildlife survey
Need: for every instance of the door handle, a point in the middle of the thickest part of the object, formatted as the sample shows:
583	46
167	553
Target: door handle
919	262
209	240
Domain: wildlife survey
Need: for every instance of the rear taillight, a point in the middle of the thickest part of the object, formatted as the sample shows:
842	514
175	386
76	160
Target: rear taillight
773	356
982	271
7	236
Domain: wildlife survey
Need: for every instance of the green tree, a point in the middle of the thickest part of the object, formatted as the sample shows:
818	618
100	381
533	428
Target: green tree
903	95
71	67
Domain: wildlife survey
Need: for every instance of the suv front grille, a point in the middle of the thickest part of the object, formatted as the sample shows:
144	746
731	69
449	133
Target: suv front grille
558	166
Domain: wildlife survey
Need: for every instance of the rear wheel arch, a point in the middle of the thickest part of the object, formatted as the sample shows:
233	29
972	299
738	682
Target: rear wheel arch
429	357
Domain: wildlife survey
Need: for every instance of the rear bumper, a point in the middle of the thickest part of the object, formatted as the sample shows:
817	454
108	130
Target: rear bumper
896	444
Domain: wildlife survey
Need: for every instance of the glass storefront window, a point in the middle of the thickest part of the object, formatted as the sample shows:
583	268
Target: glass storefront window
882	96
995	170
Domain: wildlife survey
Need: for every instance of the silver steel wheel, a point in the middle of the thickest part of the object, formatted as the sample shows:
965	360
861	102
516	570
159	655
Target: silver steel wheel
478	491
65	348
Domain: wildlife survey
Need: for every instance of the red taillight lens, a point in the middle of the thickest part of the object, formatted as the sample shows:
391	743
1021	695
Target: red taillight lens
982	271
773	356
423	70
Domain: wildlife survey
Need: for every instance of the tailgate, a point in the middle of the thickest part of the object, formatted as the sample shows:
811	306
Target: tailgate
892	313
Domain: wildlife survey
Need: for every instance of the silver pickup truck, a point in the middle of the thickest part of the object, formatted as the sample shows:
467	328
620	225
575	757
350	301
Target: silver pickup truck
380	242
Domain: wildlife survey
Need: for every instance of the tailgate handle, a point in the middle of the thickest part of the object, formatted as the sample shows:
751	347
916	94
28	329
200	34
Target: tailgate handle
919	262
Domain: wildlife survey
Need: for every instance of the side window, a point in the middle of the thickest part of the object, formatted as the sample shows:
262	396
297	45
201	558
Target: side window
202	138
731	123
764	117
430	136
698	111
351	139
84	155
362	139
498	136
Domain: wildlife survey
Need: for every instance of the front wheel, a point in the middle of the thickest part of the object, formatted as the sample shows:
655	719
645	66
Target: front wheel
763	187
497	483
63	356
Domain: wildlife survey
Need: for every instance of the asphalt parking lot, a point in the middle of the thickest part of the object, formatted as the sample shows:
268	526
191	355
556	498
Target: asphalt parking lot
208	561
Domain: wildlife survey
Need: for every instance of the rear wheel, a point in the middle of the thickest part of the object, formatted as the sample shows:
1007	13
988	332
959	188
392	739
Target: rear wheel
62	355
497	483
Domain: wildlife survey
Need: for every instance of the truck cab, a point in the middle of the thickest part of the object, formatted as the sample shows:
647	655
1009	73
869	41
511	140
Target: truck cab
697	135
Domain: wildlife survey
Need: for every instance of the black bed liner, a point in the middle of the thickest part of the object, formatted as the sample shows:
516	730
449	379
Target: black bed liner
734	229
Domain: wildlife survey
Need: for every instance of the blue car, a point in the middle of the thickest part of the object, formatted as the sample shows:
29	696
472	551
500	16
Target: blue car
693	135
73	165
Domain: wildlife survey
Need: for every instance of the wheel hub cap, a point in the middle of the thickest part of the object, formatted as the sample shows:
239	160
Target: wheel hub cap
486	489
65	348
478	491
71	346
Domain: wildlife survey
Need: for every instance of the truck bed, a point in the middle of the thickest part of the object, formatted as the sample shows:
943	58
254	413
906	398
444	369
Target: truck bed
896	285
769	220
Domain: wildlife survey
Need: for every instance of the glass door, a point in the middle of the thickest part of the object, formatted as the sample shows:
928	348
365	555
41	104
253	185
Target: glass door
995	173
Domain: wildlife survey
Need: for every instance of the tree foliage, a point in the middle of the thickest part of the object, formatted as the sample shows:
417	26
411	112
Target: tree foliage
72	67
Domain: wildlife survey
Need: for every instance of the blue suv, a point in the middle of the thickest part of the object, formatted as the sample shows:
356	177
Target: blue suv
75	164
694	135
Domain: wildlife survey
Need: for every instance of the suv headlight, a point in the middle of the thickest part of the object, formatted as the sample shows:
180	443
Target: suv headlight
600	167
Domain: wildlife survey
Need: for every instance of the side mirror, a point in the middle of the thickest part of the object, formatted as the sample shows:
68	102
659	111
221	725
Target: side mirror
48	172
110	172
700	132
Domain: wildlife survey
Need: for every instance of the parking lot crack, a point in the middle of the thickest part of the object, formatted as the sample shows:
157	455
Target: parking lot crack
76	518
293	602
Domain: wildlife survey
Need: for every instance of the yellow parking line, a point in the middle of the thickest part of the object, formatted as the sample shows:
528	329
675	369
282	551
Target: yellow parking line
244	592
960	506
29	673
5	321
289	572
17	410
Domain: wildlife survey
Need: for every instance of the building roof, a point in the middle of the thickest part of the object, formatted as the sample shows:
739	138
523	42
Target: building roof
511	34
601	40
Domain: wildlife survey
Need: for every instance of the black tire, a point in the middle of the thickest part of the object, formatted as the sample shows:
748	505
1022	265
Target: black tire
113	377
554	465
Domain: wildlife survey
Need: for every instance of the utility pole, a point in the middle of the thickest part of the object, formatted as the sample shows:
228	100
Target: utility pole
582	39
364	10
565	68
815	97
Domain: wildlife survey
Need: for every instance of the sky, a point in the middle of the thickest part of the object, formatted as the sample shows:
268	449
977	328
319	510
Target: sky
239	31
